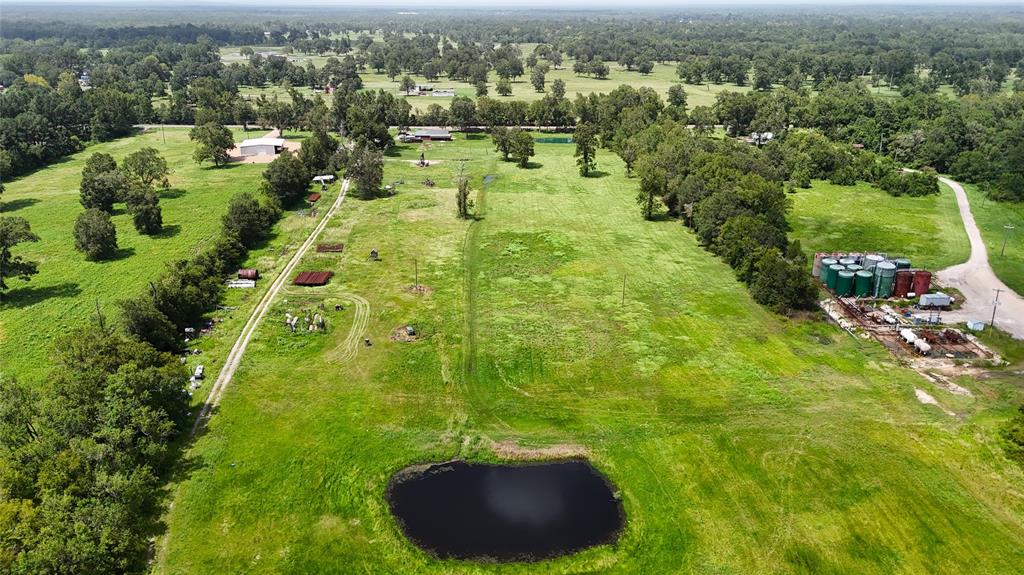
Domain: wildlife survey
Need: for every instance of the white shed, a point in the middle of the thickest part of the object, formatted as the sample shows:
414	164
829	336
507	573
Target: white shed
261	146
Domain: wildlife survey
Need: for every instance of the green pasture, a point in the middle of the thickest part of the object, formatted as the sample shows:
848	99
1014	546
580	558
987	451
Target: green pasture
740	441
864	218
68	288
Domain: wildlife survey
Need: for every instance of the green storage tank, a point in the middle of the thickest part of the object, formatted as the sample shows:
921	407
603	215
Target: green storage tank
833	275
854	267
844	283
885	273
826	263
903	264
872	260
847	261
862	283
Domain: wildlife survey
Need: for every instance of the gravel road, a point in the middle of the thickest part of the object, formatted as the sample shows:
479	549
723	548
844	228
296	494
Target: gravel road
976	280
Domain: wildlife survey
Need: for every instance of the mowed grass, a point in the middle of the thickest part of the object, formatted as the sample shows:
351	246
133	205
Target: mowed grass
740	442
68	288
864	218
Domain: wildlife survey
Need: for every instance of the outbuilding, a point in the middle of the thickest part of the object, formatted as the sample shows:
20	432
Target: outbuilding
433	134
261	147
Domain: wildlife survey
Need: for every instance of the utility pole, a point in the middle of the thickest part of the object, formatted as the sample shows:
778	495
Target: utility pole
1006	235
995	305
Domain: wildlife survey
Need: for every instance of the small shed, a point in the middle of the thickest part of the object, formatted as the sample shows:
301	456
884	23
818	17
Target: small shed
938	299
313	198
248	274
261	146
323	179
433	134
312	278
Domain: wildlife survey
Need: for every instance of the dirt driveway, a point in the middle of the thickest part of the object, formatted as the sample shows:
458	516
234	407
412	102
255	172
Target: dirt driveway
976	280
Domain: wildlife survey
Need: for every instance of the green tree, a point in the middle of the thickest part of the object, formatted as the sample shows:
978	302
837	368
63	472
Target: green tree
143	321
366	168
144	206
502	138
286	179
247	219
645	67
558	89
316	151
274	113
521	146
146	166
653	185
102	185
504	87
585	137
14	231
462	112
213	142
481	89
406	84
462	201
537	78
95	235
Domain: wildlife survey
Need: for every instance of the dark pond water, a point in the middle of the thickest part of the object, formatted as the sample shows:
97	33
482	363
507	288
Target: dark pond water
505	512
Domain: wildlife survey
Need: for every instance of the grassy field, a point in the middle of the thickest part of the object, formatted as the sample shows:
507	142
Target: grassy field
829	218
863	218
67	289
741	442
991	217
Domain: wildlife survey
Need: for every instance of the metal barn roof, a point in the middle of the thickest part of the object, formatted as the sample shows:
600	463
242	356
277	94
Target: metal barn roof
279	142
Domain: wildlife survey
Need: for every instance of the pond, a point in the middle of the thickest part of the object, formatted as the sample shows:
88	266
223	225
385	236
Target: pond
522	512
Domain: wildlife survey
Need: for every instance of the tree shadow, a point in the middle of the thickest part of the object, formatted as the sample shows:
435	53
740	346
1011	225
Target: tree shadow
120	254
168	231
597	174
171	194
31	295
533	165
15	205
476	135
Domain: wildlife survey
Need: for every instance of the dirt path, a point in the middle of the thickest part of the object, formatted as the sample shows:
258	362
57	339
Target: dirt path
350	347
976	280
238	350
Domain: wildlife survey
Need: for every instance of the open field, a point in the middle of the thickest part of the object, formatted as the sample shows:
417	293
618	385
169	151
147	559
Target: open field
67	289
827	217
741	442
864	218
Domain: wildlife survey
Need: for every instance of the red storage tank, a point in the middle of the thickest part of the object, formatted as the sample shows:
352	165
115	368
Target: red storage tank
904	280
248	274
922	282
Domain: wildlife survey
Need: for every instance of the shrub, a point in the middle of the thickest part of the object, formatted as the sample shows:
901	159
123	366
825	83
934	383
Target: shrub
95	234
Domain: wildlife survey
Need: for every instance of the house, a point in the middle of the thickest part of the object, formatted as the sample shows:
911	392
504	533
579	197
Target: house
432	134
262	146
443	92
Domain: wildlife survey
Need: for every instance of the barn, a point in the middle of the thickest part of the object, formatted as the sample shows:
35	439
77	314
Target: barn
261	146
